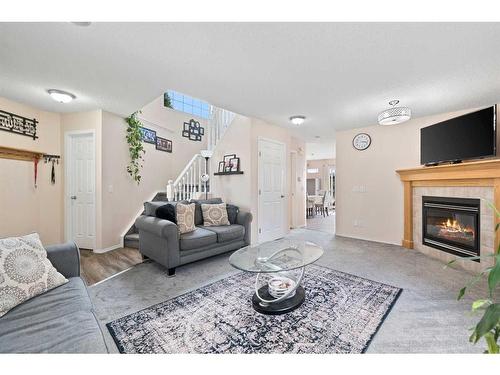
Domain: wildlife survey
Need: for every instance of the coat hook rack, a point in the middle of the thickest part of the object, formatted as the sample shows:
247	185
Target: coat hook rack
49	158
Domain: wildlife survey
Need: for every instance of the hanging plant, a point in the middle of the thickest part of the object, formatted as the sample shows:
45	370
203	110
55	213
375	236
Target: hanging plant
135	146
167	102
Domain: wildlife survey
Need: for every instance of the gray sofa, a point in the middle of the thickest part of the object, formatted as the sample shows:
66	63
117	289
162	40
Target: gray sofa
61	320
160	241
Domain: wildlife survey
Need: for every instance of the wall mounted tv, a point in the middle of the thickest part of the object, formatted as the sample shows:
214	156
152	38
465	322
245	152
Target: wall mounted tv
471	136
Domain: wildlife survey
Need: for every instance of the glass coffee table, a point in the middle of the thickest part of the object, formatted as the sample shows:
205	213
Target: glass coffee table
279	266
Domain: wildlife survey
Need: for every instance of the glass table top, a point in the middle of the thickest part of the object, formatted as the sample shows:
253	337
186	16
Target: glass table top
275	256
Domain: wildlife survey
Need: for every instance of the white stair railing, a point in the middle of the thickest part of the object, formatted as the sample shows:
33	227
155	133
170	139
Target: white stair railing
188	184
220	120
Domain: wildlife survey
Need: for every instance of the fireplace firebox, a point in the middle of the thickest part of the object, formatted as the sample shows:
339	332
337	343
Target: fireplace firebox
451	225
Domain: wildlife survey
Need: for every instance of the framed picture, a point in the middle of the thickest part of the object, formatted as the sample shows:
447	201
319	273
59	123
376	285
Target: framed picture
193	130
234	164
221	167
228	157
163	144
148	135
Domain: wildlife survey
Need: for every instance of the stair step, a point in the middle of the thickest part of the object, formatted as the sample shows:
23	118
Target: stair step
131	240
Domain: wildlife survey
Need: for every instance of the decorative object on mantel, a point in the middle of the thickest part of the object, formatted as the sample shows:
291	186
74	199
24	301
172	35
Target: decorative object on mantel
148	135
193	130
135	146
163	144
13	123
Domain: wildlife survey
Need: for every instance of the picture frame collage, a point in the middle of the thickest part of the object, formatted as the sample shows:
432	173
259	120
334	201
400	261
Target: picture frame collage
161	144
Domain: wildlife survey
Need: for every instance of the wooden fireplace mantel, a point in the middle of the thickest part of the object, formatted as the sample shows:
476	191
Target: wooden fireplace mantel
477	173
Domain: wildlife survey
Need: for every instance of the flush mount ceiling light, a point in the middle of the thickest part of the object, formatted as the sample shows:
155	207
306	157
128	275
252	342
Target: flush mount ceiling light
394	115
297	120
61	96
83	24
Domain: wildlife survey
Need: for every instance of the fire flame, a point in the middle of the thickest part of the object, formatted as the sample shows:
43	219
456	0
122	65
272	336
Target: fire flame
454	226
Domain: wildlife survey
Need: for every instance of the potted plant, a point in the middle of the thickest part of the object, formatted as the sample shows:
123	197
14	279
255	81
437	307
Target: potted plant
488	326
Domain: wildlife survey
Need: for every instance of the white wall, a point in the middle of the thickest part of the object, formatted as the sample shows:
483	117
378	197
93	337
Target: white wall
378	210
242	139
24	209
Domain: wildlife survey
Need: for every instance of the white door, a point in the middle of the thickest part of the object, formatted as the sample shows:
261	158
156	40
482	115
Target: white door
272	186
80	189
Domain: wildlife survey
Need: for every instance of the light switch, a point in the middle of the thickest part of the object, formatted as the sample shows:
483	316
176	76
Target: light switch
110	188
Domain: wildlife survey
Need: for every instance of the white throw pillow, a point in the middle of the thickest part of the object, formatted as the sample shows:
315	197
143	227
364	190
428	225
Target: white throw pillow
25	271
214	214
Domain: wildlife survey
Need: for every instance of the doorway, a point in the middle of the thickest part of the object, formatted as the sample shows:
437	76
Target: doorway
272	216
80	189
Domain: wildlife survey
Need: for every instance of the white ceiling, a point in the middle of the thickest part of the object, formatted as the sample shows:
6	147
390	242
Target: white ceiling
339	75
318	151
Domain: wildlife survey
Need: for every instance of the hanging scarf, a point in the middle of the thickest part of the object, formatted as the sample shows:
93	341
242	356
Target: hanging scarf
53	173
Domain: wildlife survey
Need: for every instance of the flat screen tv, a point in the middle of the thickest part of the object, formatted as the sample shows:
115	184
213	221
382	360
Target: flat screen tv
471	136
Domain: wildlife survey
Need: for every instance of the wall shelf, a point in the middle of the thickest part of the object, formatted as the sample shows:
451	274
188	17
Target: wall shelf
19	154
227	173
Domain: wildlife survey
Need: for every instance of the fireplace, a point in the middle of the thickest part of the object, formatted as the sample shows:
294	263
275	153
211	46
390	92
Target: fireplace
451	225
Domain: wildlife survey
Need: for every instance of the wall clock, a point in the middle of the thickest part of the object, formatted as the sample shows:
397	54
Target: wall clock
361	141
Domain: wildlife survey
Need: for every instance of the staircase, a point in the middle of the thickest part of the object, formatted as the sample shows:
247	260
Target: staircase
189	185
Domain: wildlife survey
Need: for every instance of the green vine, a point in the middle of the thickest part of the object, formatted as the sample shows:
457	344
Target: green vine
167	102
135	146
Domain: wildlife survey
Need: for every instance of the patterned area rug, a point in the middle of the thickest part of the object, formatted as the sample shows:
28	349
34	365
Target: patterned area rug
341	314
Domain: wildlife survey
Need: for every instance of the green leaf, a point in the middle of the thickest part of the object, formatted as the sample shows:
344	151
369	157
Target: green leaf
492	206
461	293
480	303
494	277
492	344
489	320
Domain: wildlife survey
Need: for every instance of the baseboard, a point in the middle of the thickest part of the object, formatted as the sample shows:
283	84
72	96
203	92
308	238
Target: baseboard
366	239
105	250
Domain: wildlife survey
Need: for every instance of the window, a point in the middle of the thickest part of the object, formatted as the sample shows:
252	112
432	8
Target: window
187	104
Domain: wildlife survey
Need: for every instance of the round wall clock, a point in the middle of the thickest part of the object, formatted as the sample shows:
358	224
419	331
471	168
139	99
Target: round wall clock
361	141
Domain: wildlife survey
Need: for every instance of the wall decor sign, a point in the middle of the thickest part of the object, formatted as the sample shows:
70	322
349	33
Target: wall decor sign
148	135
163	144
193	130
13	123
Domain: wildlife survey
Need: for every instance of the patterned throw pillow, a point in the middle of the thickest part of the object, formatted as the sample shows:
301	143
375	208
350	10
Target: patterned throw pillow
214	214
184	214
25	271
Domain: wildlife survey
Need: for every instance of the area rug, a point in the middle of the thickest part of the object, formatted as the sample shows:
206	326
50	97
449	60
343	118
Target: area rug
341	314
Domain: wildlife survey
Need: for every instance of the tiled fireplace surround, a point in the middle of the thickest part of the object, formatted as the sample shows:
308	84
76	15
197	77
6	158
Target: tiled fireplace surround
480	180
487	237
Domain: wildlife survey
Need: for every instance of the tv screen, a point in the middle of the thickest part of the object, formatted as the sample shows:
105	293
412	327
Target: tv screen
470	136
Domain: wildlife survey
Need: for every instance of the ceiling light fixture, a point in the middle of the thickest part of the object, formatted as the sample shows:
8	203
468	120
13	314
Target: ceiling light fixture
297	120
61	96
83	24
394	115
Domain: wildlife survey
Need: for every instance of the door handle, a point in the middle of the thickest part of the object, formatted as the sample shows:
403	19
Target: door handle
282	196
73	197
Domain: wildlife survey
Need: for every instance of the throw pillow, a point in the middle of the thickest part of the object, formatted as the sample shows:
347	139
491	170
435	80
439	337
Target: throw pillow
214	214
232	213
167	212
25	271
184	215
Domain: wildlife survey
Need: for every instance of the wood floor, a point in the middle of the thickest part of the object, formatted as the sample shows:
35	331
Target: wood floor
97	267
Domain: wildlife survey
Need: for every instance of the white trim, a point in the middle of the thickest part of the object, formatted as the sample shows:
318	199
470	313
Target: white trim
67	216
106	249
286	191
